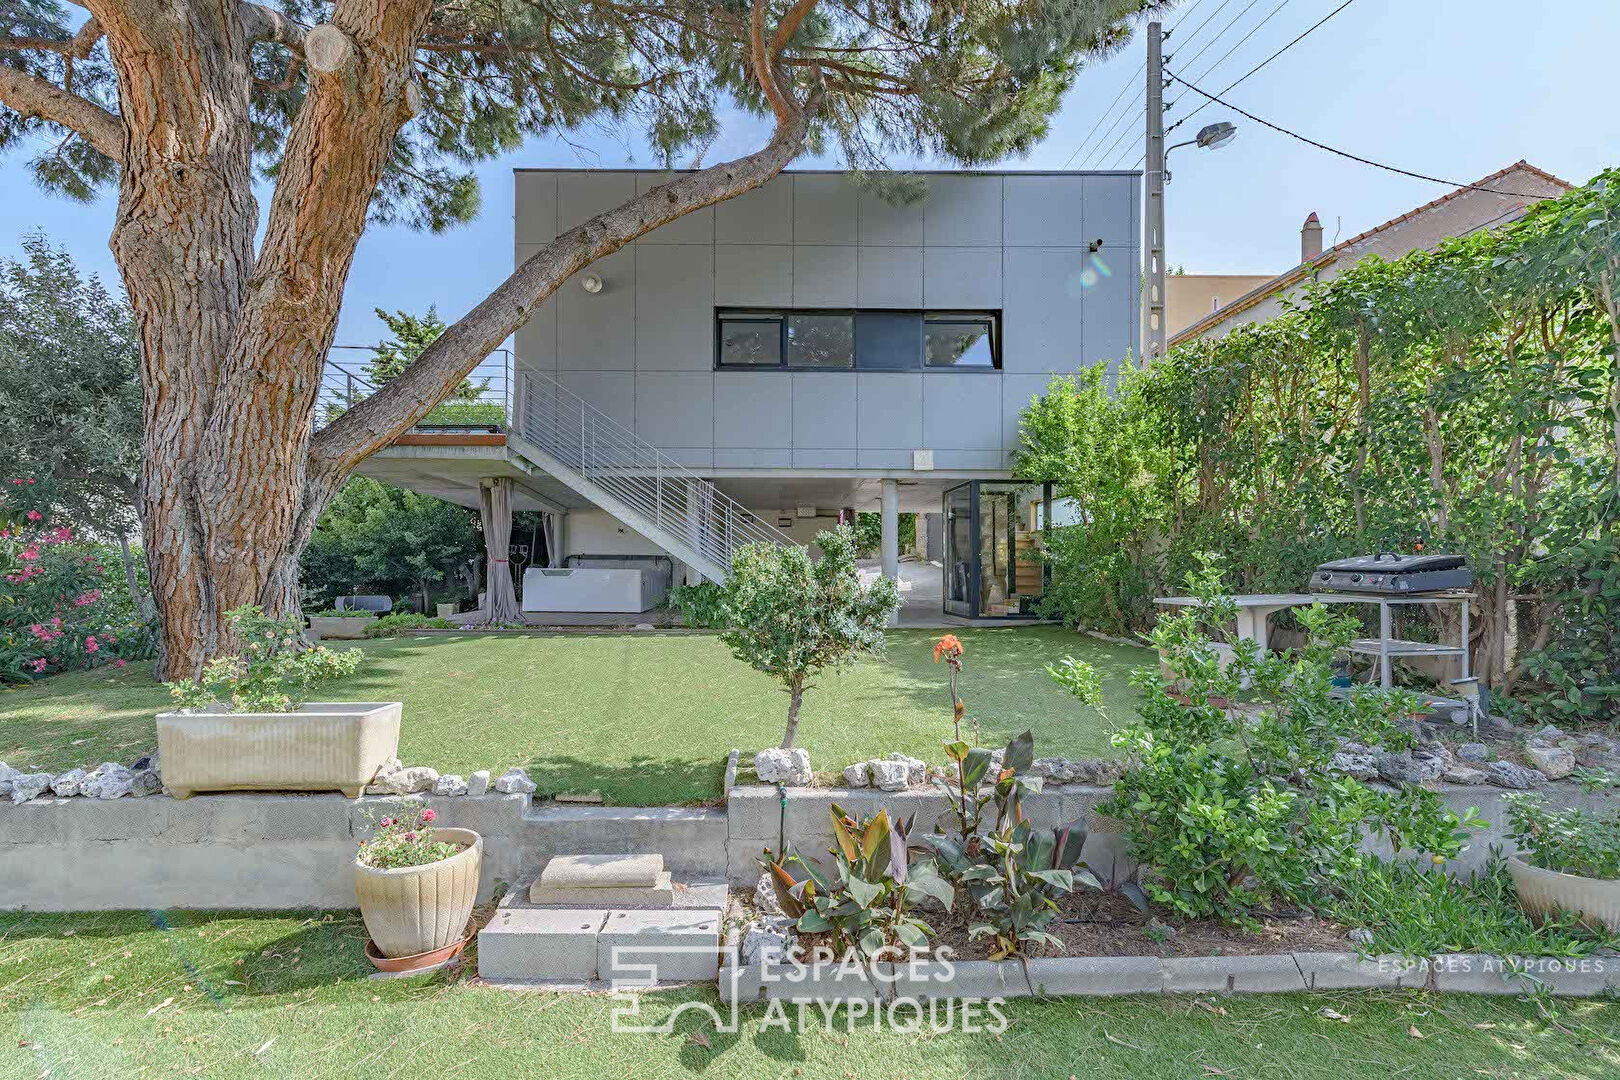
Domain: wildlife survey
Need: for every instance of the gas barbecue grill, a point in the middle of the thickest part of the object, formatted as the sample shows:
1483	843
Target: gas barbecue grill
1392	574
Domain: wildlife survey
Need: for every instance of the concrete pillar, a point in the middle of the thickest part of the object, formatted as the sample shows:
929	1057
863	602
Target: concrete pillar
890	544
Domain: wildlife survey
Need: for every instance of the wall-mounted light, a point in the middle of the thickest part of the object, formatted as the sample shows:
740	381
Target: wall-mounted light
1094	247
591	283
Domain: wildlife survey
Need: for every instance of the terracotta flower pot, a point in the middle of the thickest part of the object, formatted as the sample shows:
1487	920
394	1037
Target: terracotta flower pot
1541	892
417	909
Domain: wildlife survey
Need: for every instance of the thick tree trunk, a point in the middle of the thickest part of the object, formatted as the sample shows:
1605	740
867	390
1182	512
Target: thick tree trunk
232	343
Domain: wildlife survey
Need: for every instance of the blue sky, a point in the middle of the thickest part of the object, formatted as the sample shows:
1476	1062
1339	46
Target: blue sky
1451	88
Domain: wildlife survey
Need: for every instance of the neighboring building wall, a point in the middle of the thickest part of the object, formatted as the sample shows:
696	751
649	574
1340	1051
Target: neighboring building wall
1190	297
642	349
1458	214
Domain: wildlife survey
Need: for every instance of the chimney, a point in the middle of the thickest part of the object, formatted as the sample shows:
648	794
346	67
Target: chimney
1310	238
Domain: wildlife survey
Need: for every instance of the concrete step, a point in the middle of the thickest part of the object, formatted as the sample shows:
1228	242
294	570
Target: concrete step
659	895
604	872
528	943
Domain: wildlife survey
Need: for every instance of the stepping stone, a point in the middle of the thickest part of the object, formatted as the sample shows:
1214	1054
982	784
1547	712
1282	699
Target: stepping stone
661	895
604	872
681	945
527	944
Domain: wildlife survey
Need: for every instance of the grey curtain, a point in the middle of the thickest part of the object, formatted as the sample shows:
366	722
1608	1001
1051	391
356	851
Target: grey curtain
495	509
551	524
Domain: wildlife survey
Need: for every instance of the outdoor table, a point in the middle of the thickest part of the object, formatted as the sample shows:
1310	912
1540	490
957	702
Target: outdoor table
1253	609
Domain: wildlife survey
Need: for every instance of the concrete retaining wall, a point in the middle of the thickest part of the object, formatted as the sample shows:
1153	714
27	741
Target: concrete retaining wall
246	851
297	851
757	818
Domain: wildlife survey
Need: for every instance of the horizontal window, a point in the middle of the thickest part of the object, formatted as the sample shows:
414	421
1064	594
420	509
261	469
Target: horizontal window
842	340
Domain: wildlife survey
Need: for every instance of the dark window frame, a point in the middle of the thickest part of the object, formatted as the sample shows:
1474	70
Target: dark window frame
779	315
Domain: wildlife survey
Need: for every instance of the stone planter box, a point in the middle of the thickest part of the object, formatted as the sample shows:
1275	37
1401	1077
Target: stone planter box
323	746
447	611
1541	892
416	909
1104	976
340	627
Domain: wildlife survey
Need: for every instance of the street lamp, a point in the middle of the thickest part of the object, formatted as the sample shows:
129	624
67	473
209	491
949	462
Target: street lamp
1209	137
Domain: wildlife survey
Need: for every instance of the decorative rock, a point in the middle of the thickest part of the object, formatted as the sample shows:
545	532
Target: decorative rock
1462	774
515	782
1474	751
1160	931
380	782
1105	772
1050	767
1554	761
68	784
109	780
916	768
790	768
765	940
1400	768
478	783
1546	734
1361	937
1508	775
1433	760
145	782
1597	752
890	775
765	895
996	757
1355	766
450	785
1499	723
25	786
858	775
8	776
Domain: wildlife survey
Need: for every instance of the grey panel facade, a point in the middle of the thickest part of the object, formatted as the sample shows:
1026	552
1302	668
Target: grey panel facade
1056	254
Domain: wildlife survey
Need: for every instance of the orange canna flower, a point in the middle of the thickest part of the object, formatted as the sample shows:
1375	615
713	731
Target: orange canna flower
948	646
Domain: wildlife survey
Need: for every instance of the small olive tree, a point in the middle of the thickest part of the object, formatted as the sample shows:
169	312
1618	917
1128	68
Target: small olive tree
791	616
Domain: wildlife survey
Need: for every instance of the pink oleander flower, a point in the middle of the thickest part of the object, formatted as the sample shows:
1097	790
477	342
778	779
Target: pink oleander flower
63	535
120	662
39	665
29	553
34	515
410	836
37	629
86	599
429	815
91	644
385	822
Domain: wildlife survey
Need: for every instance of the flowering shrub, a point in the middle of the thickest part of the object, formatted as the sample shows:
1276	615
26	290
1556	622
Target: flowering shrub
407	840
274	671
56	611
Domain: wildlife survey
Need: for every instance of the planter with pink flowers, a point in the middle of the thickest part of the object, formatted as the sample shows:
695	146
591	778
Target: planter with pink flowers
416	885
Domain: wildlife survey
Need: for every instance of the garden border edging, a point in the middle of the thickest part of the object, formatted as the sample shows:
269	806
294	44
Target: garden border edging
832	982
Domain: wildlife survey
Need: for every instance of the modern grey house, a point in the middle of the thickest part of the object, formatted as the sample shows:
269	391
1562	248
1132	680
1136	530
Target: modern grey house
760	369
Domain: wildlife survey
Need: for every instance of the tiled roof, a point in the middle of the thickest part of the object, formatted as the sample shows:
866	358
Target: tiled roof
1298	273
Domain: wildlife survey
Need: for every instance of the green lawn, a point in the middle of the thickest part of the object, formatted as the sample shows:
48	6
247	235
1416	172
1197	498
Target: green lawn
645	719
285	995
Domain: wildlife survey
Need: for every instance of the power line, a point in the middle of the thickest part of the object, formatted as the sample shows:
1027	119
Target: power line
1206	21
1344	153
1185	15
1222	33
1135	80
1239	44
1264	62
1130	110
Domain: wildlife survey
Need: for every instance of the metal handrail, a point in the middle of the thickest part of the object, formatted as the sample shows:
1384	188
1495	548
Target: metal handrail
346	382
637	473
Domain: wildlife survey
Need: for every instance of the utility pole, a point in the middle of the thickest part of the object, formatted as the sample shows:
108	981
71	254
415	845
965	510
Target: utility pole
1153	336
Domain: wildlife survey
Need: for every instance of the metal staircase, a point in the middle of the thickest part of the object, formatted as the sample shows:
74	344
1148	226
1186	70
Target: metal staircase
613	467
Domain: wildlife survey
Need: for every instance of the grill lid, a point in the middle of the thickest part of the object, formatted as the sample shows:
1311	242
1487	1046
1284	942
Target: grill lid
1388	562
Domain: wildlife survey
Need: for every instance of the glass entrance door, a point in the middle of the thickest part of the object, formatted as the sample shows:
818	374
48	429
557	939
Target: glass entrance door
960	544
993	535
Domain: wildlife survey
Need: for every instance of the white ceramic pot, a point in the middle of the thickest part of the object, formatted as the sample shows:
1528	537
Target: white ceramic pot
322	746
341	627
1543	891
417	909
